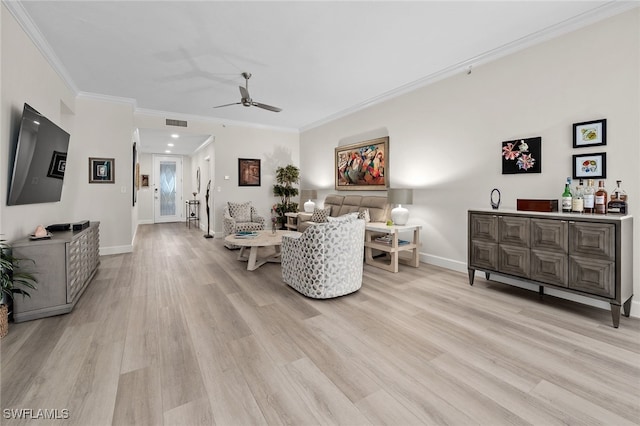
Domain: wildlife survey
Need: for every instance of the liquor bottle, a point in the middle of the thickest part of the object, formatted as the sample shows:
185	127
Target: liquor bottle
600	203
618	203
577	203
589	197
566	197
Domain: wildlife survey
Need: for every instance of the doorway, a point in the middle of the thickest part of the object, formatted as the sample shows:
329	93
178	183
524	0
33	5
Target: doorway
167	191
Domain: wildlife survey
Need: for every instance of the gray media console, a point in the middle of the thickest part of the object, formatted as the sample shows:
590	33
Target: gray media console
64	266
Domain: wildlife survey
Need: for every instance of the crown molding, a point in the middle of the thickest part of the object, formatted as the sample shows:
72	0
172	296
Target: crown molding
214	120
107	98
569	25
24	20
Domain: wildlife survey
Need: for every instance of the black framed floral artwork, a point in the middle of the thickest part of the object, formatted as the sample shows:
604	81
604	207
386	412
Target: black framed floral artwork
522	156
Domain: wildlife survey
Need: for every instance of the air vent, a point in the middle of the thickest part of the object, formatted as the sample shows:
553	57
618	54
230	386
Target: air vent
178	123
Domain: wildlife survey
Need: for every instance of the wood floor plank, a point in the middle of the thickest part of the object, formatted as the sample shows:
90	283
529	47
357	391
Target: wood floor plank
179	332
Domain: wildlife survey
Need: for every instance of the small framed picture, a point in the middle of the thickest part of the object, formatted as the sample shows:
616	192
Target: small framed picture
102	170
248	172
144	182
590	166
590	133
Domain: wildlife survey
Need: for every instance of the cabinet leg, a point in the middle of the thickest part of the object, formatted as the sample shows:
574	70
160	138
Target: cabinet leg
627	307
615	315
472	275
487	275
541	290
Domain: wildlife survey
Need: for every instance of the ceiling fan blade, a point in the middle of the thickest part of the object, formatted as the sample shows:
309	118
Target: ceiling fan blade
267	107
244	92
226	105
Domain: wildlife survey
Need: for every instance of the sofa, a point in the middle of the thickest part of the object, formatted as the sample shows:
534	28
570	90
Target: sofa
338	205
326	259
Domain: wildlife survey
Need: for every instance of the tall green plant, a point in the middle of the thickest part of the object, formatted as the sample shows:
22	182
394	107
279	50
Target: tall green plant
285	178
12	280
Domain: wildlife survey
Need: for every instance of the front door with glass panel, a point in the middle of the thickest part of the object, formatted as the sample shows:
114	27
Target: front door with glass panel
167	189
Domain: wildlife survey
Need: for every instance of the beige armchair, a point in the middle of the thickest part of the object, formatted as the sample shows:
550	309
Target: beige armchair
240	217
326	259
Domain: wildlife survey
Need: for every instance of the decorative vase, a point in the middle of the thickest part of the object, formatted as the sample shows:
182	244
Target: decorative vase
274	227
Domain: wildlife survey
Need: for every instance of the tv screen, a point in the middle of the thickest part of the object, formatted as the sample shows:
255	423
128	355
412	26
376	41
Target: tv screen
39	162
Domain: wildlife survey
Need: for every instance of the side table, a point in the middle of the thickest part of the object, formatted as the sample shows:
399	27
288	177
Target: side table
292	221
192	212
394	247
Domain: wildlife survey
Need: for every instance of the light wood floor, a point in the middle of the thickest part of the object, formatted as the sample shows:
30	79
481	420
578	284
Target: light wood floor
179	333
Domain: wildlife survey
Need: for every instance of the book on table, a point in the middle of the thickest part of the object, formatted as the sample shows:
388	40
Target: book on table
246	234
388	240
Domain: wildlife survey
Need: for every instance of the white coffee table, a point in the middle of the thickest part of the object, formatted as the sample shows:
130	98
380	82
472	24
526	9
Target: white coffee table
264	239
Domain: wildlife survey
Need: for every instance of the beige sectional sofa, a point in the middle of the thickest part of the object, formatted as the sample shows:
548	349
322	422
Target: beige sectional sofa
379	209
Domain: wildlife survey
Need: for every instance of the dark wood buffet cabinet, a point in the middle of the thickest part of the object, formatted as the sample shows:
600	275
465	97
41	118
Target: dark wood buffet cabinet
590	255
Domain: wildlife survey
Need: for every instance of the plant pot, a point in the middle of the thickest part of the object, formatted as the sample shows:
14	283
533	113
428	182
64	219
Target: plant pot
4	320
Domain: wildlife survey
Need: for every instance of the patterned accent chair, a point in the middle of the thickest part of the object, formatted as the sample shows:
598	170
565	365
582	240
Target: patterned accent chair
240	217
326	259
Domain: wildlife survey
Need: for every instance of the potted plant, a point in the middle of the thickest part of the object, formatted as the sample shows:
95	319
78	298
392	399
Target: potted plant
285	178
12	281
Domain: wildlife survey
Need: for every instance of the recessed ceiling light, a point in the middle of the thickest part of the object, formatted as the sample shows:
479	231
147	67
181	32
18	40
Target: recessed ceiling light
169	144
168	151
175	136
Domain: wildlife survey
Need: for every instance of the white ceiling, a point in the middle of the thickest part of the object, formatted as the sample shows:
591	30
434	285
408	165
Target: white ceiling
315	60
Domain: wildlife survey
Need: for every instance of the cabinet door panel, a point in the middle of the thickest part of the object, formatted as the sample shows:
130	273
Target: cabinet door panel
514	230
514	260
484	255
484	227
593	276
592	239
549	235
549	267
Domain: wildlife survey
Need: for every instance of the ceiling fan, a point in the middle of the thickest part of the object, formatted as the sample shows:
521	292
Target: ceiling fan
246	99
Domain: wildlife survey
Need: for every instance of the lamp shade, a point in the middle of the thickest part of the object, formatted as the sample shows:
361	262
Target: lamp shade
309	194
400	196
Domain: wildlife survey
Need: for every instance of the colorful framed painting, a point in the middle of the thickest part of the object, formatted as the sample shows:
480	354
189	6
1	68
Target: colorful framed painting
362	166
590	133
248	172
590	166
522	156
102	170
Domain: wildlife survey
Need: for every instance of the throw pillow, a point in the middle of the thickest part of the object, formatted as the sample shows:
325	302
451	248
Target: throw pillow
241	212
364	214
320	215
344	218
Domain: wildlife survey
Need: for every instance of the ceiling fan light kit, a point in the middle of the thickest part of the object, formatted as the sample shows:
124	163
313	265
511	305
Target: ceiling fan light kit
245	98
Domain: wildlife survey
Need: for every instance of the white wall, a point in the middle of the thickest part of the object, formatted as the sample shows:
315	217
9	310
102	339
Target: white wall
445	139
97	129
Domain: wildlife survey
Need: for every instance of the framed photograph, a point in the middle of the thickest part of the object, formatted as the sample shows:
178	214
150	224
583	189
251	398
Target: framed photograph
144	180
522	156
362	166
590	133
590	166
102	170
58	165
248	172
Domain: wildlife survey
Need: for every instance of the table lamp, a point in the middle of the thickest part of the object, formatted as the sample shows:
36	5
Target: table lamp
400	196
309	194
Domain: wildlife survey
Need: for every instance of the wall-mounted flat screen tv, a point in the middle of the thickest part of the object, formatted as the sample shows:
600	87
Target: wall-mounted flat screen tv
39	162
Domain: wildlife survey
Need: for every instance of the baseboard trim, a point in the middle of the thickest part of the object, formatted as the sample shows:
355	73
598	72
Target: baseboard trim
106	251
145	222
458	266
